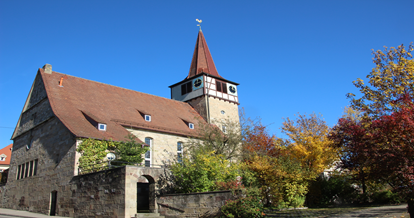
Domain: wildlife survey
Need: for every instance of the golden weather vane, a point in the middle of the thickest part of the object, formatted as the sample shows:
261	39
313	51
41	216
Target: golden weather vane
199	23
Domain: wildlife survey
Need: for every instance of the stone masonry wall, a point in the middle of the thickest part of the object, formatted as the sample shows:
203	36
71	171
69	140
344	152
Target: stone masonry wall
100	194
54	148
37	108
217	105
204	204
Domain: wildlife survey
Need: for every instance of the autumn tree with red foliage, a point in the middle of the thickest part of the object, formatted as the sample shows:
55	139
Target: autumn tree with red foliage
381	144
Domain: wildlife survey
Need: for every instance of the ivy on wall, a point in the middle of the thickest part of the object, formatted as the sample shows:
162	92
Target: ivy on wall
94	153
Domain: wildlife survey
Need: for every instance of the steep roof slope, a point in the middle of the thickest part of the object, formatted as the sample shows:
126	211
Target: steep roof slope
202	60
117	107
7	151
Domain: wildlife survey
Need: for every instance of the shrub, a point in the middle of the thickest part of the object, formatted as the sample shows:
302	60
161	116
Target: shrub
246	205
386	197
327	191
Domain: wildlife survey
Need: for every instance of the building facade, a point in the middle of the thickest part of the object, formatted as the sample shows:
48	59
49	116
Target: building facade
62	110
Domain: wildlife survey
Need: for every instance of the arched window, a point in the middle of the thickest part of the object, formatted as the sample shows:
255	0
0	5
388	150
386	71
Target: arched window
148	155
179	152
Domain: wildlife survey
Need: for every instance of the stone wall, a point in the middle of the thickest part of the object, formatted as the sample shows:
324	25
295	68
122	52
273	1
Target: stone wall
36	110
231	110
54	148
100	194
205	204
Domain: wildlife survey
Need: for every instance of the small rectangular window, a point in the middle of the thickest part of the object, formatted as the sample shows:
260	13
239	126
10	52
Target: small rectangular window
218	85
148	118
22	172
186	88
189	87
224	90
148	141
18	172
26	173
224	128
31	169
102	127
179	152
191	125
35	168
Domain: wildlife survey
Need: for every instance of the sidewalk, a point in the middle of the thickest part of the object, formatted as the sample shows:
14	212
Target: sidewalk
397	211
22	214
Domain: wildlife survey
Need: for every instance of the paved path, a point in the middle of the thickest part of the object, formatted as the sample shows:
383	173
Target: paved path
399	211
9	213
384	211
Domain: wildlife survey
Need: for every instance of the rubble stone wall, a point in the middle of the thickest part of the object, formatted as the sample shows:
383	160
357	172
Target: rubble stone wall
53	147
100	194
205	204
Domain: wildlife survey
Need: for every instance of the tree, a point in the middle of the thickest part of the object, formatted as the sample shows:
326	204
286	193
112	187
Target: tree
384	136
284	182
212	138
350	135
382	148
390	79
202	172
309	143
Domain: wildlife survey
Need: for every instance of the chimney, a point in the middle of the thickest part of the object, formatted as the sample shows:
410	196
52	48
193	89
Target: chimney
47	68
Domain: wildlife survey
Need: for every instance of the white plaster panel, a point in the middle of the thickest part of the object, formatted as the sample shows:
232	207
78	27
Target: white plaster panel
212	92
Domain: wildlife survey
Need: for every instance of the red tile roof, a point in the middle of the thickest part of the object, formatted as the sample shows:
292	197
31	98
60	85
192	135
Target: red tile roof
202	60
114	106
7	151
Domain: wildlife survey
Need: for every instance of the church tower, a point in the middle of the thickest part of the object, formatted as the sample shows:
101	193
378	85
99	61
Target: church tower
212	96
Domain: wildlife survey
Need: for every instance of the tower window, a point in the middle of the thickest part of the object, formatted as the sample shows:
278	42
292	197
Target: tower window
148	118
221	86
186	88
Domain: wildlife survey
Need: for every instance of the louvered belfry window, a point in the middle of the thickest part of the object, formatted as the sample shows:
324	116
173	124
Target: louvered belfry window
221	86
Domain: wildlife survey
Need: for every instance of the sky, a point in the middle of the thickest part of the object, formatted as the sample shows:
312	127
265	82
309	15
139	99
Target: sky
289	57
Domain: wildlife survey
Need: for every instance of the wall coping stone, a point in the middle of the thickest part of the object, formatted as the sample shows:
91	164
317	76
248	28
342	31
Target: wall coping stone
195	193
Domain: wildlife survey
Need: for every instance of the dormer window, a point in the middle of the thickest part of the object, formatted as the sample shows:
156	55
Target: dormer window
191	125
102	126
2	159
148	118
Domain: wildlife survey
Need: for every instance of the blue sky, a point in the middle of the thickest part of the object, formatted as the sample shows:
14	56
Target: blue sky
288	56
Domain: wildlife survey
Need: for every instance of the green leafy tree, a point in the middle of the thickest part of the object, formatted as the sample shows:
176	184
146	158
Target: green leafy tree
203	172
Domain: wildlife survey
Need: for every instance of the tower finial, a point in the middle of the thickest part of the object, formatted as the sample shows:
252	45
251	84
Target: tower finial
199	23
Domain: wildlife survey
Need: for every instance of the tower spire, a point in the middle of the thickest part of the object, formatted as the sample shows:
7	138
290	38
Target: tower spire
202	60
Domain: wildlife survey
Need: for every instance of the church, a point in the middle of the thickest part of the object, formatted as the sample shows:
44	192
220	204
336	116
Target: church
62	110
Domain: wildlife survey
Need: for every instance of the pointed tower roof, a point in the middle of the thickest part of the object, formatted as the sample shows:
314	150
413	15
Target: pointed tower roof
202	60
